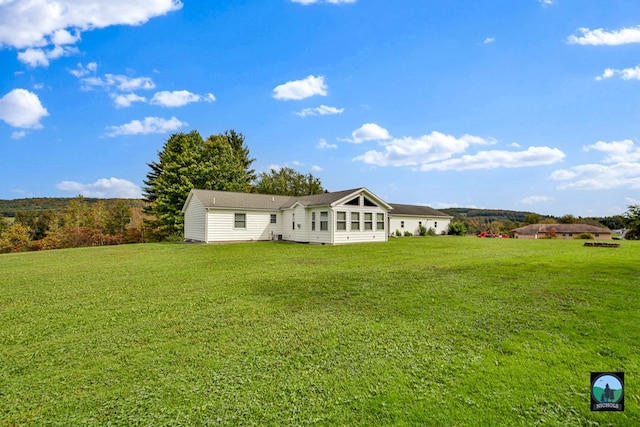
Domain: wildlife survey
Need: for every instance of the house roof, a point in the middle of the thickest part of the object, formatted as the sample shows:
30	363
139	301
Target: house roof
415	210
560	228
227	199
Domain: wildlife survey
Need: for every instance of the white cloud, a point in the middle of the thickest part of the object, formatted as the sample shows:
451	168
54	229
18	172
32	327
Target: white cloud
436	151
546	2
617	151
316	168
301	89
126	100
307	2
599	37
19	134
322	110
368	132
410	151
178	98
324	145
531	200
532	156
625	74
40	57
22	109
45	23
103	188
621	168
489	40
82	70
600	177
146	126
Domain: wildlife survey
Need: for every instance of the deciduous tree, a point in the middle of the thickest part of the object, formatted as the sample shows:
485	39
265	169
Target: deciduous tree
288	182
632	219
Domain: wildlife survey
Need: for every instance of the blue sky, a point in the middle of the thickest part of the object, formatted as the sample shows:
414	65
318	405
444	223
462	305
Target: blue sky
526	105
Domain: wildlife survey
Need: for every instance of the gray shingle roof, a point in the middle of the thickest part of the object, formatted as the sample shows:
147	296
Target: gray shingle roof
415	210
227	199
533	229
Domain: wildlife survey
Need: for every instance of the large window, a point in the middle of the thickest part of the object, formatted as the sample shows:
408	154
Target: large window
273	218
240	220
313	221
380	222
324	221
355	221
341	221
368	221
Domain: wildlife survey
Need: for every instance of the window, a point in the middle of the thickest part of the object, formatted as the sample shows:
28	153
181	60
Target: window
354	202
240	220
380	222
324	221
293	221
368	202
368	221
401	224
341	221
355	221
273	218
435	224
313	221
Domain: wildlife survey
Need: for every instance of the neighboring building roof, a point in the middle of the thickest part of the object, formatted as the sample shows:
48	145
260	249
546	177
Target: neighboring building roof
414	210
227	199
534	229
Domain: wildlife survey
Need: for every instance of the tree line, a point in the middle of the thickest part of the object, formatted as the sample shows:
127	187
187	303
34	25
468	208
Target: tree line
79	223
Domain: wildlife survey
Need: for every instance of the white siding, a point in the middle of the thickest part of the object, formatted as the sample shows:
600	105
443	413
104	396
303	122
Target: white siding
412	224
318	235
359	235
194	221
221	226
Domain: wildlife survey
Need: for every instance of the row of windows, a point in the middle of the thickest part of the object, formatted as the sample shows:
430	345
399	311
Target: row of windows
341	221
240	221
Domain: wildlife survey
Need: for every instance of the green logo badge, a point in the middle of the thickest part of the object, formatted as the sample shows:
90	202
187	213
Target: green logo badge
607	391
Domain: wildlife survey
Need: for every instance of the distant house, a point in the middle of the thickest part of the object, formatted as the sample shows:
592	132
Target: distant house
411	217
560	231
349	216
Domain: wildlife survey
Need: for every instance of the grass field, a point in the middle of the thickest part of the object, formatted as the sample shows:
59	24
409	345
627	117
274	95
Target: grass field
417	331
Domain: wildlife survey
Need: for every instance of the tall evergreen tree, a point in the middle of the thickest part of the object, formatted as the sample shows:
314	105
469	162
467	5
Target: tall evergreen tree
221	162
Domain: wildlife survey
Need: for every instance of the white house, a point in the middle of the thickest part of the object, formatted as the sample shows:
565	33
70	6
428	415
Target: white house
409	218
340	217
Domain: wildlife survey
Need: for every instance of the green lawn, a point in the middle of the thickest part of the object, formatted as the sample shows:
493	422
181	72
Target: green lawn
417	331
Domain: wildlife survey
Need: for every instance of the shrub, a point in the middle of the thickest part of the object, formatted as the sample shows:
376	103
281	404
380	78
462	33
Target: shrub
422	230
408	234
457	229
431	232
585	236
398	233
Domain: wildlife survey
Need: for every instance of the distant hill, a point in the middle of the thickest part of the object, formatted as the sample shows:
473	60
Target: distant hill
8	208
488	214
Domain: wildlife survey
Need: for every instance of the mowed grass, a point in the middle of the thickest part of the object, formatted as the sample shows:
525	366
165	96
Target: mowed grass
417	331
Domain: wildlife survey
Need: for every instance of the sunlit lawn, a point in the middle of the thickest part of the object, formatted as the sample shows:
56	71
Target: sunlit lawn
417	331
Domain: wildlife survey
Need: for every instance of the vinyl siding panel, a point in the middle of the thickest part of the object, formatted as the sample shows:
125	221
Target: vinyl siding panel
412	224
221	226
194	221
